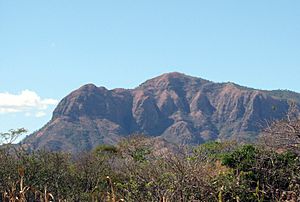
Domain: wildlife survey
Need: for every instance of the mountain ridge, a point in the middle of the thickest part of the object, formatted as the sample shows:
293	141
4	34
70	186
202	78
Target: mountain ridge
176	107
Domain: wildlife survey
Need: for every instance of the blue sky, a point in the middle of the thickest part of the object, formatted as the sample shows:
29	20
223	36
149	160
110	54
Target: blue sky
49	48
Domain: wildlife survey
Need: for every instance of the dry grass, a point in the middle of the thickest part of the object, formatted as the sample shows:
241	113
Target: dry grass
18	190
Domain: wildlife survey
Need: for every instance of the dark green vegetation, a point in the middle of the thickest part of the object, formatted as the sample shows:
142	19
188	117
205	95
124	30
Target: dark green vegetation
134	171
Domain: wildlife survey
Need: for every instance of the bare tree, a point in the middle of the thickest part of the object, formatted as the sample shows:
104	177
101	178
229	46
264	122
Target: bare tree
11	136
284	134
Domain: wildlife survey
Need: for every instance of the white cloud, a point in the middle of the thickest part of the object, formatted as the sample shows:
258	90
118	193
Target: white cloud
40	114
27	102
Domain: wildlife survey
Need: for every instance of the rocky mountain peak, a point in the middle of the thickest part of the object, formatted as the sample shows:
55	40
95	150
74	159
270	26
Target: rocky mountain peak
171	80
175	107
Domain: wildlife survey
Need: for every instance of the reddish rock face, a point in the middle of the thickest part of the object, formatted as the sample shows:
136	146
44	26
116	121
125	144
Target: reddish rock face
176	107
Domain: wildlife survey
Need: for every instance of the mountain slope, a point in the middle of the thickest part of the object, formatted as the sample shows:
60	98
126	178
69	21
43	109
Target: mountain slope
176	107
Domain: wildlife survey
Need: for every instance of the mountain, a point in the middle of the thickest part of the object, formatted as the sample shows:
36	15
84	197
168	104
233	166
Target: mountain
175	107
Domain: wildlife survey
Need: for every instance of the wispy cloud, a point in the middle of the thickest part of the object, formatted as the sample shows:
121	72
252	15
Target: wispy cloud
40	114
28	102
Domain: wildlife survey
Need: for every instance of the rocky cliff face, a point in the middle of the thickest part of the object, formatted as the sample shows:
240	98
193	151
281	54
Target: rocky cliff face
176	107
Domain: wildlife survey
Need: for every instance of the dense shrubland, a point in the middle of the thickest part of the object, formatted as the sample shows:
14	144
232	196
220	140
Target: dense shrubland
134	170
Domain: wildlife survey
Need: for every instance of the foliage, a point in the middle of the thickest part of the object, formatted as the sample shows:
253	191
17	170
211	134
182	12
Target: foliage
133	171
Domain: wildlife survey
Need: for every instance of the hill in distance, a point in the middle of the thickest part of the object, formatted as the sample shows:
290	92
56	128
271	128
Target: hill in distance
173	107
